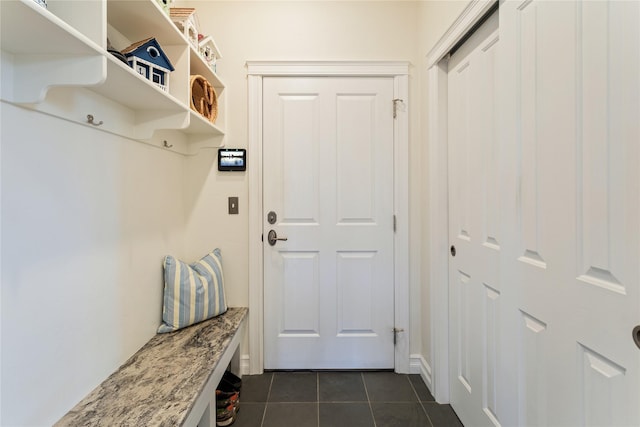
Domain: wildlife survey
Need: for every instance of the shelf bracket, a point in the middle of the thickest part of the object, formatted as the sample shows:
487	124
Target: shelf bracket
147	122
33	75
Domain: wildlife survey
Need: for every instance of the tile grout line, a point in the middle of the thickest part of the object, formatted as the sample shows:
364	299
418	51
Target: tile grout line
366	391
264	413
420	401
318	402
318	395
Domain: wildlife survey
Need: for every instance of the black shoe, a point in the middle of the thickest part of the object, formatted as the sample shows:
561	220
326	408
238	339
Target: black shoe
230	382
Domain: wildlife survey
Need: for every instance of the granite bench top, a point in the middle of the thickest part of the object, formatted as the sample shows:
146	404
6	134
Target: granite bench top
159	384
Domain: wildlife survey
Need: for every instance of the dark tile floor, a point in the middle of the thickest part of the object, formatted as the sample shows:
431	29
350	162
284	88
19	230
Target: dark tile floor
339	399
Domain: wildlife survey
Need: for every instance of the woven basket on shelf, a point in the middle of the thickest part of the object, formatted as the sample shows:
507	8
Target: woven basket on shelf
204	99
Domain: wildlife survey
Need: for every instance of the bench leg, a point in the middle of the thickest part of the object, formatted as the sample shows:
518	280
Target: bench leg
234	365
209	416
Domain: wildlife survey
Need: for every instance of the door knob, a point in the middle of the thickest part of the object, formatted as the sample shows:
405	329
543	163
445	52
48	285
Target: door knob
636	335
453	250
272	237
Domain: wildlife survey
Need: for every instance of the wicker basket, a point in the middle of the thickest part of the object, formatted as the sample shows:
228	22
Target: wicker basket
204	99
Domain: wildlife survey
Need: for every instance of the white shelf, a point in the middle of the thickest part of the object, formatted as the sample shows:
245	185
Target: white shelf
29	29
198	66
45	53
41	51
128	88
139	20
200	125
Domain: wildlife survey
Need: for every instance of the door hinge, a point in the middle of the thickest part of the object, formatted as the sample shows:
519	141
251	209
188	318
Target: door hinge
396	331
395	224
398	105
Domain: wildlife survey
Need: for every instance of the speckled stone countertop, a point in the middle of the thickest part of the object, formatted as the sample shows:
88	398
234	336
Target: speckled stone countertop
159	384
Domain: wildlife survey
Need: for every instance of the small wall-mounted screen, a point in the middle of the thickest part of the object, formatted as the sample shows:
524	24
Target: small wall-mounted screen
232	159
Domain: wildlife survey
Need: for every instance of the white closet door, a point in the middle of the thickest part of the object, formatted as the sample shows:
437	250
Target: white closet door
570	270
541	331
474	215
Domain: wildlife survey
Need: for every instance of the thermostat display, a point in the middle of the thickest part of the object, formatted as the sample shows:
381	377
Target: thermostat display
232	159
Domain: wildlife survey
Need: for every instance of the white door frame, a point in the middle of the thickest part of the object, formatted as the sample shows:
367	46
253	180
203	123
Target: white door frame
438	192
257	70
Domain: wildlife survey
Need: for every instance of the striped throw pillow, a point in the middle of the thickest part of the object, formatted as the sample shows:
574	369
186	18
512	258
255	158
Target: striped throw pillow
192	293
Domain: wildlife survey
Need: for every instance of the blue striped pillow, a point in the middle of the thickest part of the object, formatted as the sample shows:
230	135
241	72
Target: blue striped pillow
192	293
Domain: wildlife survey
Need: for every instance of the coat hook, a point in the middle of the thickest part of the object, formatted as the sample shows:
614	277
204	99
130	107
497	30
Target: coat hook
166	144
91	121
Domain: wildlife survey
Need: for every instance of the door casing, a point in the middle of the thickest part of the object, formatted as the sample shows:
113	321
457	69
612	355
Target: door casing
438	192
257	70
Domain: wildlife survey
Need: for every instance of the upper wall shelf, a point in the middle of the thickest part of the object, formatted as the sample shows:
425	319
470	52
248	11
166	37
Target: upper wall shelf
198	66
141	19
46	34
45	48
43	53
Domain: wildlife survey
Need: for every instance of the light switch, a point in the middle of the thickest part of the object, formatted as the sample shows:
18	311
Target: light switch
233	205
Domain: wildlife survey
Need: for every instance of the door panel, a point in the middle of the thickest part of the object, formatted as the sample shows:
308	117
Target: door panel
532	355
300	142
299	294
355	278
603	390
491	341
544	214
607	279
328	174
474	208
355	179
571	165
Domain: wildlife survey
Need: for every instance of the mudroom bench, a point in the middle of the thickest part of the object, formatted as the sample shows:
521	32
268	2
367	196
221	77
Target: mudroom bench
171	381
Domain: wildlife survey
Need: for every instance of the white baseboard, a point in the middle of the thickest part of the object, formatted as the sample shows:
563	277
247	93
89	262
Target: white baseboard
414	363
418	365
244	364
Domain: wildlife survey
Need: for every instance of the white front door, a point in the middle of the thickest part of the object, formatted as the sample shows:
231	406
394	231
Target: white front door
545	284
474	228
328	189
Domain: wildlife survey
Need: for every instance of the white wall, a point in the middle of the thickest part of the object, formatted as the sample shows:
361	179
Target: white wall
86	220
297	30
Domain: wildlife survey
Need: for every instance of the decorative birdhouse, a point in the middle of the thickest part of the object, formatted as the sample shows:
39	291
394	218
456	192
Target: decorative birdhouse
186	20
165	5
148	59
209	51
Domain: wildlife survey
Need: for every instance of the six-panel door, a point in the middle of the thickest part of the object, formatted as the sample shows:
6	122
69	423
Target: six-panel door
328	176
